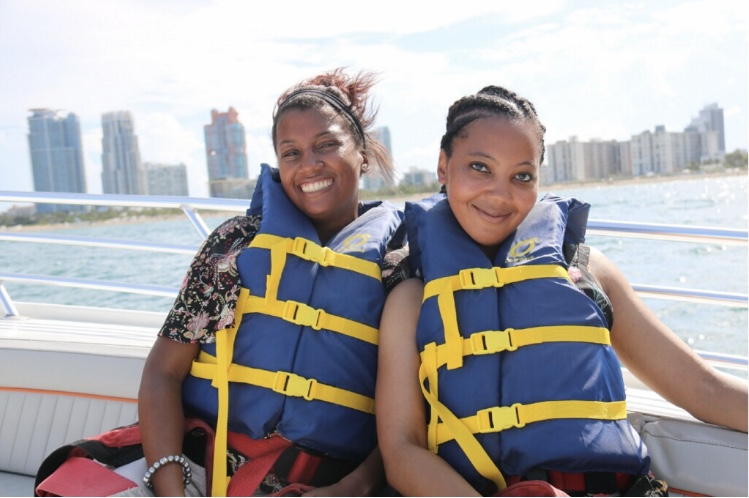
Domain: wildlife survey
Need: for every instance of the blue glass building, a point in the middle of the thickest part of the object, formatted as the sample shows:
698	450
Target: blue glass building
56	155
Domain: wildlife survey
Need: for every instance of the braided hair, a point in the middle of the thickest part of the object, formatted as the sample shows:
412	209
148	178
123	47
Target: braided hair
489	101
348	96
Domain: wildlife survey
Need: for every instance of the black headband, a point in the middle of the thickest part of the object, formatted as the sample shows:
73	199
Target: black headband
331	99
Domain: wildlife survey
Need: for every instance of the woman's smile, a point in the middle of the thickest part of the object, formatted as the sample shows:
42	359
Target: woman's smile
316	186
490	214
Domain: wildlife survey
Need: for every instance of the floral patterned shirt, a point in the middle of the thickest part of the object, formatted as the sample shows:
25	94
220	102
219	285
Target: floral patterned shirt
209	292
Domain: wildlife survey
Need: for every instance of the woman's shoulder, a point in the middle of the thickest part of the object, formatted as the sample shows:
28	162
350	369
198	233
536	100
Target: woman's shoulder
231	233
238	226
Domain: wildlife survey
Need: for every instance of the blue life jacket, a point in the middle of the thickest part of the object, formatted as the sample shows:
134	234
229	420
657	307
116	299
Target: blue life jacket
301	357
516	361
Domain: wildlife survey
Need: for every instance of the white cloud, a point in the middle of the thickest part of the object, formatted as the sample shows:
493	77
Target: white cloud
607	69
163	139
732	111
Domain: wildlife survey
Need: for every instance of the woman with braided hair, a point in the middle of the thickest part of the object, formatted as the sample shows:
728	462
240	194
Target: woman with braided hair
499	365
273	337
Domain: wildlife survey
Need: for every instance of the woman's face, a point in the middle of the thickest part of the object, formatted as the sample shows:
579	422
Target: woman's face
491	178
320	165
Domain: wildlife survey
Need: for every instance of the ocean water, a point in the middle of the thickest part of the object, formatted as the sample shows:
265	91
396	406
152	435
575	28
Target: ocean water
697	201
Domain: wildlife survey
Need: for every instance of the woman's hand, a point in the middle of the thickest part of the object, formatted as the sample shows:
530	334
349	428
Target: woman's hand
160	412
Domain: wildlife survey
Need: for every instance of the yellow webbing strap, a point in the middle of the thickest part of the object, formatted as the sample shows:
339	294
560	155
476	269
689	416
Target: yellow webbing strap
481	278
277	264
302	314
473	279
285	383
324	256
446	304
429	366
496	341
499	418
481	461
220	380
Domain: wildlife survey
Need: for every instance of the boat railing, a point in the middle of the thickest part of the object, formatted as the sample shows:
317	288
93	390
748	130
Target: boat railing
191	207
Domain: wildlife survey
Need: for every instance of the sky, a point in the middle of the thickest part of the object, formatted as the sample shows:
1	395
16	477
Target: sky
593	69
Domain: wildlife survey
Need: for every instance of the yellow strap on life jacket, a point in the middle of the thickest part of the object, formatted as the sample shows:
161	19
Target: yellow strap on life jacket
478	456
302	314
286	383
324	256
496	341
429	368
455	347
496	419
499	418
475	279
220	380
222	370
481	278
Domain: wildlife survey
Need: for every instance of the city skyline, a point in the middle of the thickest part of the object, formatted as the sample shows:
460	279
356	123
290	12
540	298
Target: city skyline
225	127
606	70
657	151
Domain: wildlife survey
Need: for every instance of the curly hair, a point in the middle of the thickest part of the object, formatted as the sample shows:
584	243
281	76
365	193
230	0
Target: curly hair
489	101
348	96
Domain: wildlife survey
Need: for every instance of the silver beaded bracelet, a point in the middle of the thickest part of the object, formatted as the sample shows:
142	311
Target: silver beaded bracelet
186	471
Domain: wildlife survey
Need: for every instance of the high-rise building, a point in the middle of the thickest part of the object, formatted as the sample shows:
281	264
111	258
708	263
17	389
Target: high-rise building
122	172
166	179
373	179
56	154
226	155
709	119
419	177
383	133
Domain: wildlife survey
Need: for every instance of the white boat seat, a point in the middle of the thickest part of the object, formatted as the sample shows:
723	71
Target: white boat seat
61	381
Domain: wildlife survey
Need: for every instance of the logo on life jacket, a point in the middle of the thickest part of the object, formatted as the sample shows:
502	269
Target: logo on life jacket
355	242
519	250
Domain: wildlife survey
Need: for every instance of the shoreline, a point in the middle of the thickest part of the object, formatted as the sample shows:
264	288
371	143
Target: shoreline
612	182
395	199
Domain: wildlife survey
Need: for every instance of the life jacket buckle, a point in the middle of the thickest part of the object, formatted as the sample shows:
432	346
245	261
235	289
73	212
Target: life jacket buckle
301	314
290	384
498	418
479	278
492	341
310	251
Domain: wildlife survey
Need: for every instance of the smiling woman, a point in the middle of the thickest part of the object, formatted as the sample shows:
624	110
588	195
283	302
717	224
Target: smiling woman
501	364
258	343
288	321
